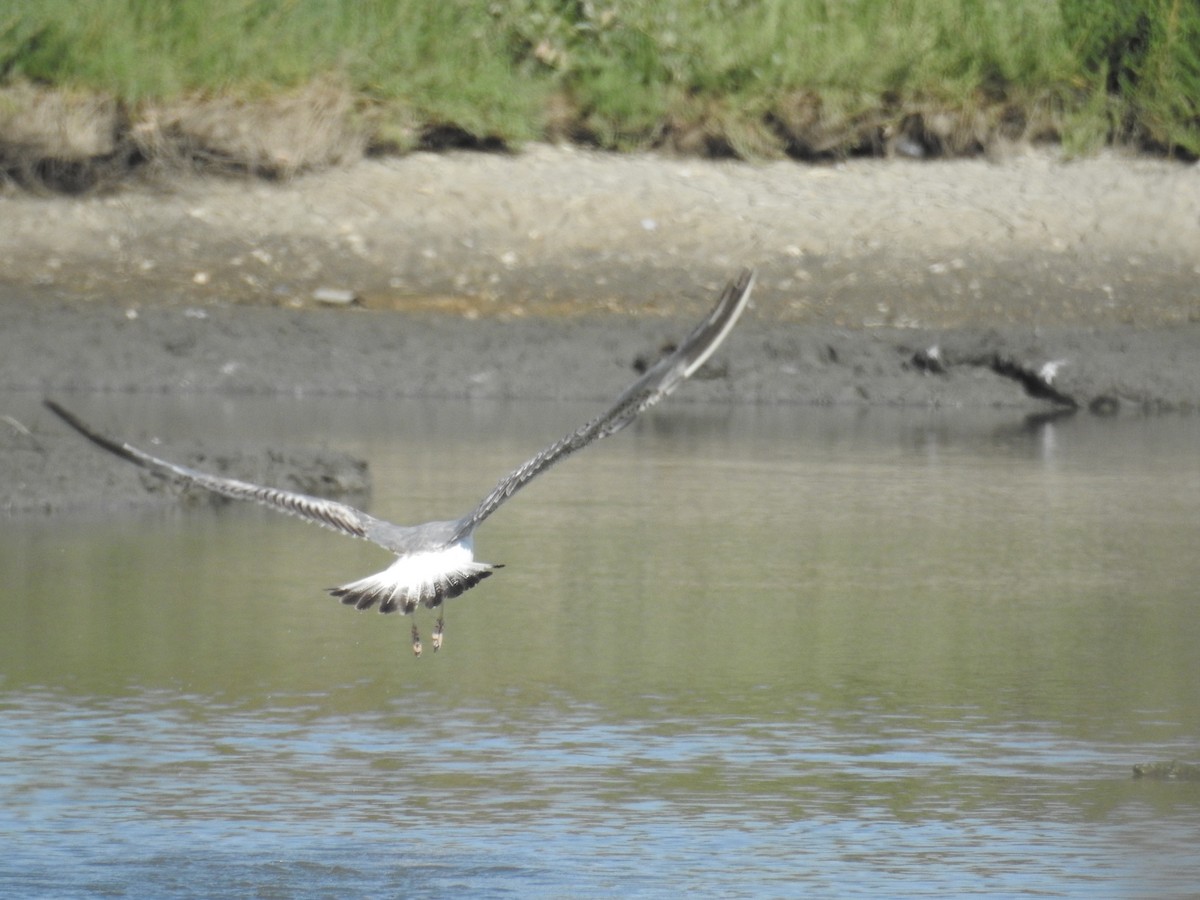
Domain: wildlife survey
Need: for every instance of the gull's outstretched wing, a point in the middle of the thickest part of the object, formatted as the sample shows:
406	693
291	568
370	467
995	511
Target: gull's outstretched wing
337	516
657	383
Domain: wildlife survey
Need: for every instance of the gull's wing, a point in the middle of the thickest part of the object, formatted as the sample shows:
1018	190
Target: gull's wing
657	383
337	516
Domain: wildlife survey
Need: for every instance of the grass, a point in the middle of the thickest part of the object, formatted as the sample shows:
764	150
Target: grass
739	77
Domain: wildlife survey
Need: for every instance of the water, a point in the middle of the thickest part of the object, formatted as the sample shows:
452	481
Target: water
762	652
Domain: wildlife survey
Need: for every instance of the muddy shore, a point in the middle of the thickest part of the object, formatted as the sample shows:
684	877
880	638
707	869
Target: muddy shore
552	273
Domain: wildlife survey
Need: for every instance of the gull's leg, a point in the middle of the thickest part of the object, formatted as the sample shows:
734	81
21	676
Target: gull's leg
416	639
439	629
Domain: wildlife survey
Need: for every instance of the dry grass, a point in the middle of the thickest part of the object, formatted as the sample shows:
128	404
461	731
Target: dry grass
40	122
276	136
74	142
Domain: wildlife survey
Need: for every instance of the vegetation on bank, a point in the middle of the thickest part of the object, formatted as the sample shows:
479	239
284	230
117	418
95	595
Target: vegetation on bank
281	85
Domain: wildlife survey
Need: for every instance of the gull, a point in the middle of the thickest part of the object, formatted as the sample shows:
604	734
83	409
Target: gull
435	561
1049	370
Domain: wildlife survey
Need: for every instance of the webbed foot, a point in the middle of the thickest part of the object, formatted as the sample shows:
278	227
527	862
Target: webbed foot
438	630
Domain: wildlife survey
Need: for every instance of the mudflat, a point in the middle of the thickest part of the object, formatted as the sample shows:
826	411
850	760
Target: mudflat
553	272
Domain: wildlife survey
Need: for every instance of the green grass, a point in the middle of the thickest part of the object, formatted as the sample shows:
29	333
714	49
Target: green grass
746	77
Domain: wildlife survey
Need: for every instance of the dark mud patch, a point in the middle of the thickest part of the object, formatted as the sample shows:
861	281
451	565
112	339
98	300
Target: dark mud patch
57	348
71	349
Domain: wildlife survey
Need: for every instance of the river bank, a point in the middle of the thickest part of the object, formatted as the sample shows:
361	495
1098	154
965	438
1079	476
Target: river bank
552	273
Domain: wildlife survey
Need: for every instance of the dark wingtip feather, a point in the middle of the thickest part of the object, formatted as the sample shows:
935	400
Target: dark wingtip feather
95	437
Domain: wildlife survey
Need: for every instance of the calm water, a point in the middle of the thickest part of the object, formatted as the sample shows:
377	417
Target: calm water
766	652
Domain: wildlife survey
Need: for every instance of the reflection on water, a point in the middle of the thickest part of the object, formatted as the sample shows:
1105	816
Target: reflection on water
765	651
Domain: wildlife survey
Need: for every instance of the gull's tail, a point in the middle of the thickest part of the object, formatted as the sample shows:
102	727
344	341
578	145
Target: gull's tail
427	579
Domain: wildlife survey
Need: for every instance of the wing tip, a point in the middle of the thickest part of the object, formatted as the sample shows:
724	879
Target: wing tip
711	333
112	446
740	287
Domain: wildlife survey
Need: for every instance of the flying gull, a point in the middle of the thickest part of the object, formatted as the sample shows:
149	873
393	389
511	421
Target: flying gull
435	561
